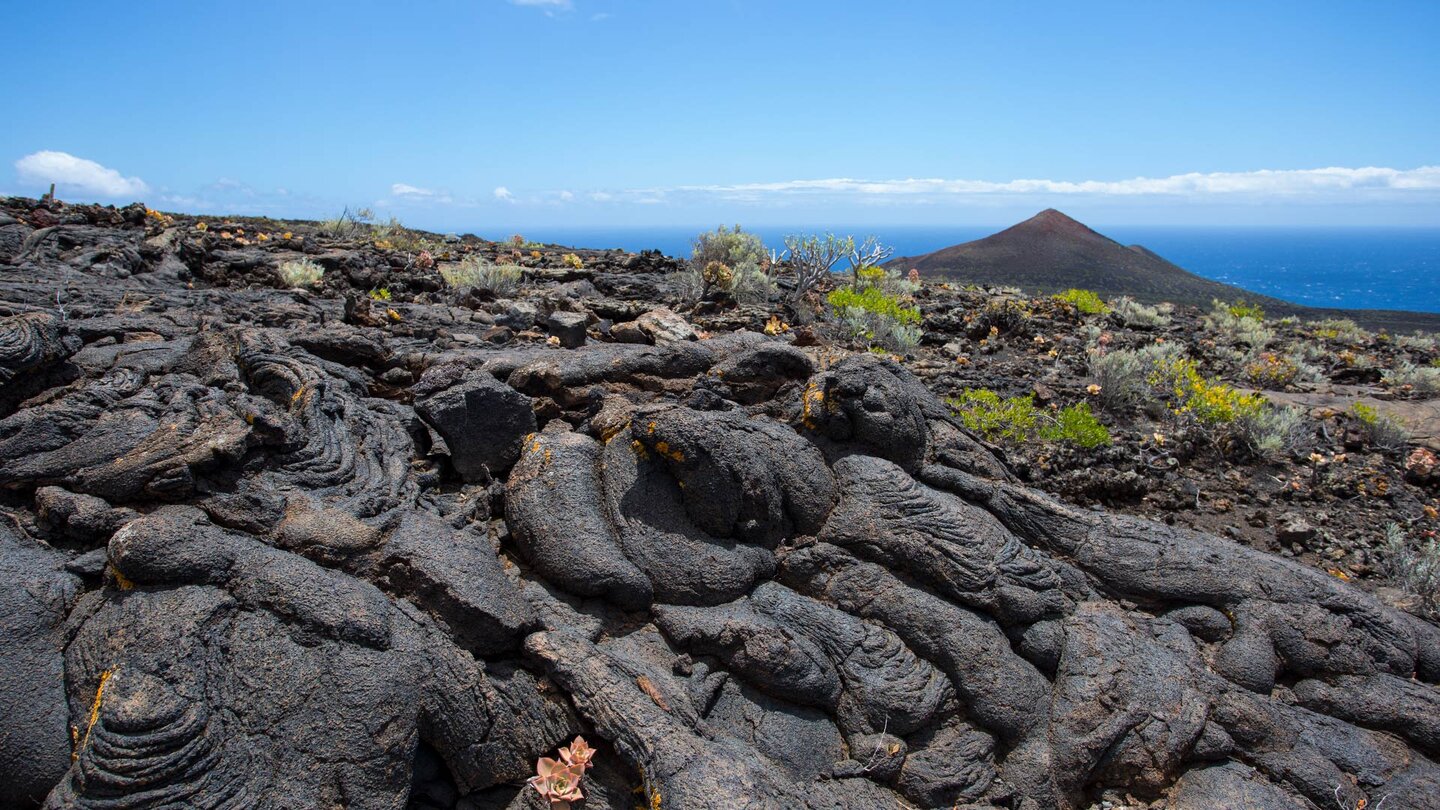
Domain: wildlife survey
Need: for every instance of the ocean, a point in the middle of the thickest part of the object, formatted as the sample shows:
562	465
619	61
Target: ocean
1353	268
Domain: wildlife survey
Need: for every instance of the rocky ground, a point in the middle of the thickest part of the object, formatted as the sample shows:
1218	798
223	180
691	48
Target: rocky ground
1327	500
377	543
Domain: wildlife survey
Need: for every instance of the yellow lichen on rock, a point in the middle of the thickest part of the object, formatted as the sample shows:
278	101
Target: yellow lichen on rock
95	709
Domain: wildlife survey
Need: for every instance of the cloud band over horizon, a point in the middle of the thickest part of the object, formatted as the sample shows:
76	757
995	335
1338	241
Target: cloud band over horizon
1283	182
1333	183
78	176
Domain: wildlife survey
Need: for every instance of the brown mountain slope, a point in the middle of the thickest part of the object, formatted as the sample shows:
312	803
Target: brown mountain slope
1051	252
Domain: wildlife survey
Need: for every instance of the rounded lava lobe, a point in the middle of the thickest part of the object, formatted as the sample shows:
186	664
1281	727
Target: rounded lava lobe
751	479
877	405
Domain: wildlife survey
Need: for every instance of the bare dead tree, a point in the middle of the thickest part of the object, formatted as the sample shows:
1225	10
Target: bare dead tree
813	257
869	253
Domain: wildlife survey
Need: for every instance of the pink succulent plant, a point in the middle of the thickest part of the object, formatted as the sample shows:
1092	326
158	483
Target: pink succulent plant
558	782
578	753
1421	463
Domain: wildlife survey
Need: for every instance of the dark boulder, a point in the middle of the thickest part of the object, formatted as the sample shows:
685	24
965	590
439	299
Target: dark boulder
752	479
36	595
757	375
873	403
567	327
556	510
483	422
31	341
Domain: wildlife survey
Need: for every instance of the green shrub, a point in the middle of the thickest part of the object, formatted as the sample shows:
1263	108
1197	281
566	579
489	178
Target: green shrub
878	329
1312	351
1211	402
1365	414
753	286
1274	432
983	412
889	282
1244	309
1379	430
1162	372
735	262
877	308
1126	311
689	282
1342	329
1418	342
903	337
473	272
1414	567
870	276
1017	419
733	248
1408	378
1124	374
1084	300
517	242
1240	323
1250	420
1271	370
1121	376
300	273
1078	426
872	299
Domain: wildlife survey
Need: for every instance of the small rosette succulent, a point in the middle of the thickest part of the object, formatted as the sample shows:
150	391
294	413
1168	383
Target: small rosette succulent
578	753
558	781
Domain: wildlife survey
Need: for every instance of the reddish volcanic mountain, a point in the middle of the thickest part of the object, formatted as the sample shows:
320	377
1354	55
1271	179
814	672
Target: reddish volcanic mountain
1050	252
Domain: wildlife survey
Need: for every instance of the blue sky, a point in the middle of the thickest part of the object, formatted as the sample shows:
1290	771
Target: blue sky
487	114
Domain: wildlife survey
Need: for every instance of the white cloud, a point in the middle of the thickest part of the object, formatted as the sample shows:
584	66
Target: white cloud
503	193
77	175
405	192
600	17
566	196
549	6
1272	182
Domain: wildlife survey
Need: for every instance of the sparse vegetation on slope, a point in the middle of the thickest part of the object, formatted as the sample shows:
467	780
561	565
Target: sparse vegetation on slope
1086	301
300	273
474	272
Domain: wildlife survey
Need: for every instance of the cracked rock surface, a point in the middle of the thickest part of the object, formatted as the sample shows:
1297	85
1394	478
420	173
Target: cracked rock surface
259	552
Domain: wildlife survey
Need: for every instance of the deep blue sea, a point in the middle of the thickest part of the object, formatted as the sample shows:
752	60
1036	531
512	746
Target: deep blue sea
1360	268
